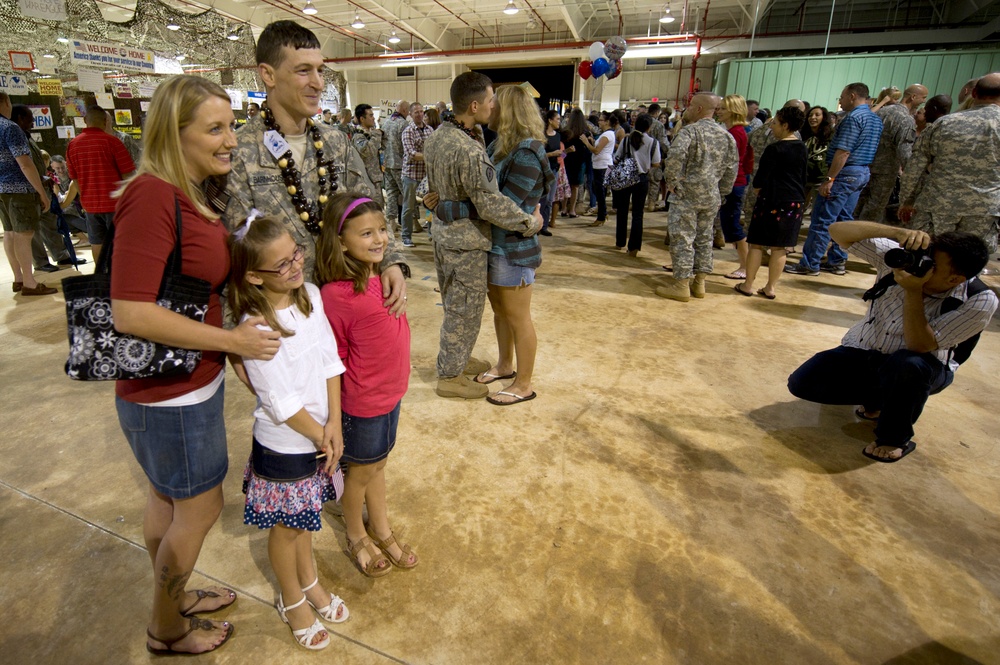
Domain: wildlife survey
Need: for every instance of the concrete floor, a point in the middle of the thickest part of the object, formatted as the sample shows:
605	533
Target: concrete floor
664	500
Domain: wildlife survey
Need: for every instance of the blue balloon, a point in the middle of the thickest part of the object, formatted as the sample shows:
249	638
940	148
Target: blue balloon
600	67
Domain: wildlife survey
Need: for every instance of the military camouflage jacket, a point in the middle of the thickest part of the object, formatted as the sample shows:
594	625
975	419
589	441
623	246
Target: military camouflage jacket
659	133
459	169
899	130
759	139
369	145
255	182
955	166
392	140
702	164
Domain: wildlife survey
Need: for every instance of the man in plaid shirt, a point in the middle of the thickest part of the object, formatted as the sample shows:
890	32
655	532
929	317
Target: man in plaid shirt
414	170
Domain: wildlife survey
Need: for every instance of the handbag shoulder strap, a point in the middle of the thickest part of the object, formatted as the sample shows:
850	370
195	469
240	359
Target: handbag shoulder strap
174	261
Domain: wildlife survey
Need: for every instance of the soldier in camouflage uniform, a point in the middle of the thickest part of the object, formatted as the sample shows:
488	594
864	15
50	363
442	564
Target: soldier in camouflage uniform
459	171
392	145
659	133
899	130
952	181
700	169
256	180
368	141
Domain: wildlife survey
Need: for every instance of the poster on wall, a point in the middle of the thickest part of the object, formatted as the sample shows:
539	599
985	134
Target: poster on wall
113	56
147	88
79	122
13	85
90	80
144	106
235	99
21	61
50	87
103	99
65	131
51	10
42	116
123	117
74	107
123	90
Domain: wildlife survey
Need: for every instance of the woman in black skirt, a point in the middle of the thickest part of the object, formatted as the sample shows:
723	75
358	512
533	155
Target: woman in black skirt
780	184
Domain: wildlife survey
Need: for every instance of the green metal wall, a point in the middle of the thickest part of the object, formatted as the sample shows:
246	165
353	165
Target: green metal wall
819	79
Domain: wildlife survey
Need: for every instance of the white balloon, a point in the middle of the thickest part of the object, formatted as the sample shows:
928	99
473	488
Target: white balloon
596	51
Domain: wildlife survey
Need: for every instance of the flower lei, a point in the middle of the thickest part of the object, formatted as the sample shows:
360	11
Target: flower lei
310	213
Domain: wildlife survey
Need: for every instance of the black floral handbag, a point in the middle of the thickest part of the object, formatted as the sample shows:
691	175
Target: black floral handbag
624	173
98	352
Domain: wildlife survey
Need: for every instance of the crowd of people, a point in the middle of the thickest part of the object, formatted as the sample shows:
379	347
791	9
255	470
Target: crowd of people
296	215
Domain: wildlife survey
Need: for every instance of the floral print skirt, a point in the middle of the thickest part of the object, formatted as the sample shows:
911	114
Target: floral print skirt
295	504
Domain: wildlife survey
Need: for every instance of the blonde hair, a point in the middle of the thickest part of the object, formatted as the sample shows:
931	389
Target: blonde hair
736	106
173	107
333	264
517	119
247	253
892	92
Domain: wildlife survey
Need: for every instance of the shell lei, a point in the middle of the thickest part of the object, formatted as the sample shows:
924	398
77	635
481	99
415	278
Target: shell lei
310	212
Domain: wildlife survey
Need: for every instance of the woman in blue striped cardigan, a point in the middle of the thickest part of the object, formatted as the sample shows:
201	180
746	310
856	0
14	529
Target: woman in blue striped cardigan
523	175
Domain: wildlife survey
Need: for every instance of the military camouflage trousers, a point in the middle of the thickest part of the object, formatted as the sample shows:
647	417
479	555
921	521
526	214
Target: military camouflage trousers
393	184
655	178
875	198
936	223
691	231
461	277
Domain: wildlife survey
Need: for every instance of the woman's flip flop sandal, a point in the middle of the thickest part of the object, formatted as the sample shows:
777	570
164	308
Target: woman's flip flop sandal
205	593
494	377
196	624
517	398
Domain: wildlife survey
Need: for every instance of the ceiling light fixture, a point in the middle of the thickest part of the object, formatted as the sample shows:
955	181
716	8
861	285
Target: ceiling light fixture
233	36
511	8
667	17
49	54
310	8
180	57
358	23
63	40
172	25
394	38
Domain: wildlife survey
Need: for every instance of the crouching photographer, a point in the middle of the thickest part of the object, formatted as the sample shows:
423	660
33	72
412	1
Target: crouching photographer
926	311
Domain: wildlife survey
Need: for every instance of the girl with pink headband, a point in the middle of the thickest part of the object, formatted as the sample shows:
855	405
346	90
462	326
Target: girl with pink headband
375	349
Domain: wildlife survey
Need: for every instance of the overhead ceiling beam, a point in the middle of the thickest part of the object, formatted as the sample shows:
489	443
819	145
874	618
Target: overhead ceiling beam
574	20
957	11
423	28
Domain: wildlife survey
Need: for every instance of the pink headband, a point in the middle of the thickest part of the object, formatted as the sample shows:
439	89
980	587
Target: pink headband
354	204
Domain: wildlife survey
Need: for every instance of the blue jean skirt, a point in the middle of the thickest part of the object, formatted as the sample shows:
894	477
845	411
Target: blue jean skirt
181	449
501	272
369	440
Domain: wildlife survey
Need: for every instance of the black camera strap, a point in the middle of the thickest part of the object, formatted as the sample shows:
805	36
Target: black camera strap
960	352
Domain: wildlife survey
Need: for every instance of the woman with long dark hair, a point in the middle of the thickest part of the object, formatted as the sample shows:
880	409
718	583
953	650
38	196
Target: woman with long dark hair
646	151
816	134
577	156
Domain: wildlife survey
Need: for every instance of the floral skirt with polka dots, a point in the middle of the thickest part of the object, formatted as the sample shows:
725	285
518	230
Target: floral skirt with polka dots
296	504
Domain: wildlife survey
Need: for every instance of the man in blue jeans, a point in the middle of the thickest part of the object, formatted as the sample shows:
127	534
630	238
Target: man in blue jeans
913	337
414	171
850	152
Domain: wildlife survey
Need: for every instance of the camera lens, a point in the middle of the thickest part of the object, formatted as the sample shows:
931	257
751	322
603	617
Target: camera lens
899	258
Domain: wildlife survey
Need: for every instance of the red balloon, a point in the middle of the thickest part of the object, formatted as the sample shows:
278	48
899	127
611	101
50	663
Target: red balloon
584	70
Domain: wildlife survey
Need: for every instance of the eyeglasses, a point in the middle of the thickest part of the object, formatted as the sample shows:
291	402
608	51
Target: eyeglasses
286	265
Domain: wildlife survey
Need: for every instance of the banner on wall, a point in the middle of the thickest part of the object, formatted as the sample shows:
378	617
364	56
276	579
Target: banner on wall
111	55
52	10
42	116
235	99
123	90
13	85
258	97
50	87
147	88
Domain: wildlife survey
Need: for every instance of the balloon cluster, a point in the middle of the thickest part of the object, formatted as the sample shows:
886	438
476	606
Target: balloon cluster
605	59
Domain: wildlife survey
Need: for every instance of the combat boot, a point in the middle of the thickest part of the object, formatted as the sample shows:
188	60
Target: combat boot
475	366
461	386
698	285
676	289
719	241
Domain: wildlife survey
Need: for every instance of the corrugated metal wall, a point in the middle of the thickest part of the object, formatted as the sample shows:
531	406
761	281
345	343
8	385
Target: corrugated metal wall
819	79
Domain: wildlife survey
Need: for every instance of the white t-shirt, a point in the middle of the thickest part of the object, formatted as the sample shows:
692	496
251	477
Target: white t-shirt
295	378
605	158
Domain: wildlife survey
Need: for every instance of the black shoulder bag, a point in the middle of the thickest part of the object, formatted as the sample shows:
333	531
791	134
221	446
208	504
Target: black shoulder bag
98	352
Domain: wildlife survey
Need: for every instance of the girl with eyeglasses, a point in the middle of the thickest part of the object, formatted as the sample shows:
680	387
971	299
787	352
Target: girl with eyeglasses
297	439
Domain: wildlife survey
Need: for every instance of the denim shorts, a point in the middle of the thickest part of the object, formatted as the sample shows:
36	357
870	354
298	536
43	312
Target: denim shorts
99	226
369	440
181	449
501	272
